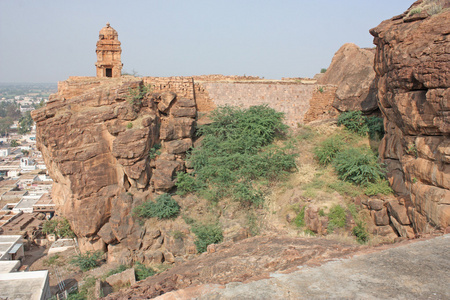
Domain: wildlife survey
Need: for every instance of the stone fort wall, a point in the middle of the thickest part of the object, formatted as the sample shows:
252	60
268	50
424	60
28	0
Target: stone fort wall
301	102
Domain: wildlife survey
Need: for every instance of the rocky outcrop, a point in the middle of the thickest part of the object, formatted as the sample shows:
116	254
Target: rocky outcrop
109	144
351	70
412	63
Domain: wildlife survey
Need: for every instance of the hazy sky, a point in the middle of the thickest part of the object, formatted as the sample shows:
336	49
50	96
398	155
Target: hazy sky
50	40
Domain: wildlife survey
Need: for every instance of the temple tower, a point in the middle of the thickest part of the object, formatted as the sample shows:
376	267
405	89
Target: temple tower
108	53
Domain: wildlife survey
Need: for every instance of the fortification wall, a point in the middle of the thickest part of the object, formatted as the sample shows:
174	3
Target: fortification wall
182	86
301	102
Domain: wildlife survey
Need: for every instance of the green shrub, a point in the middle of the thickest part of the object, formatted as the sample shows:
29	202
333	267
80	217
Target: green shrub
59	227
375	127
135	95
141	272
321	213
165	207
187	183
117	270
299	220
358	165
360	231
379	187
323	70
88	260
206	235
130	125
415	11
235	153
337	218
154	151
354	121
309	232
345	188
327	150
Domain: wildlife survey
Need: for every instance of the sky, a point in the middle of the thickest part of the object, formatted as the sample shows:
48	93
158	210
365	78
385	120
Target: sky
50	40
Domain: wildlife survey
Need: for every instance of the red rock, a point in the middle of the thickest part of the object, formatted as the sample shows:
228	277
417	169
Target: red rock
178	146
398	211
380	217
412	63
376	204
352	71
95	157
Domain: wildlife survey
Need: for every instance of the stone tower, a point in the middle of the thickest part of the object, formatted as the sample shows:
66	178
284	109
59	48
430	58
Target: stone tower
108	53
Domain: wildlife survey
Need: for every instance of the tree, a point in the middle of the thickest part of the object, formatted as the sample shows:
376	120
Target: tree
14	143
25	123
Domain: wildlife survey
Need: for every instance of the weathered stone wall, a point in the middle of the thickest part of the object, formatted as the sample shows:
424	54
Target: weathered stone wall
293	99
412	63
301	102
321	104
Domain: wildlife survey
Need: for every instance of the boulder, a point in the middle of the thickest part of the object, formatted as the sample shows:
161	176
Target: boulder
376	204
351	70
380	217
398	211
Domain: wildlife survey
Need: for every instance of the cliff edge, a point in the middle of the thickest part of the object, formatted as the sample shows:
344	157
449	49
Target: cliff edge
412	63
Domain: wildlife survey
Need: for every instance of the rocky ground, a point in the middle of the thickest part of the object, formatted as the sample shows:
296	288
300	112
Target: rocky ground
266	268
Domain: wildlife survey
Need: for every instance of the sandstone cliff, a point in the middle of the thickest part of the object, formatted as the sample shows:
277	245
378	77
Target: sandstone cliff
351	70
99	138
412	63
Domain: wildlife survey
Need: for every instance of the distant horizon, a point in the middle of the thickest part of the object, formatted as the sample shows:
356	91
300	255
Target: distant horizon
49	40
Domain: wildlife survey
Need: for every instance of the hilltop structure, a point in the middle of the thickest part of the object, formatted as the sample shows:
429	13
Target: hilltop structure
108	53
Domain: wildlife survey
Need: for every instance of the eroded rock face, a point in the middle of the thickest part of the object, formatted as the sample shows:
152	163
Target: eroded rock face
351	70
100	140
412	63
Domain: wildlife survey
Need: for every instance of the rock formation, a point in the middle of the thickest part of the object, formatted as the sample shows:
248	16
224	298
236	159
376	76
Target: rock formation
412	63
100	139
351	70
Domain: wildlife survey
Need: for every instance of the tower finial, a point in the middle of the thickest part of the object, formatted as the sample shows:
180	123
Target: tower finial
108	25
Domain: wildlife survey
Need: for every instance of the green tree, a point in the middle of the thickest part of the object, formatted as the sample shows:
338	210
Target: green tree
14	143
25	123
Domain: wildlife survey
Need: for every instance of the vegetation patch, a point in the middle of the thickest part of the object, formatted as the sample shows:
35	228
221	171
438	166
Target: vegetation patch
358	165
207	234
58	227
337	218
165	207
88	260
237	153
299	220
380	187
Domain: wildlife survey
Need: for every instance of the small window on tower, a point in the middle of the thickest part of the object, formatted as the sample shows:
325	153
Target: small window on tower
108	72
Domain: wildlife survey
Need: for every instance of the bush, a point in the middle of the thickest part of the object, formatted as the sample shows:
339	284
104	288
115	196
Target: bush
235	153
337	218
141	272
88	260
375	127
165	207
299	220
354	121
360	231
59	227
379	187
206	235
358	165
187	183
326	152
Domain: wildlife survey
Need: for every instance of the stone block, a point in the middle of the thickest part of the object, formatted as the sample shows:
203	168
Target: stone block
376	204
398	211
178	146
122	278
380	217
